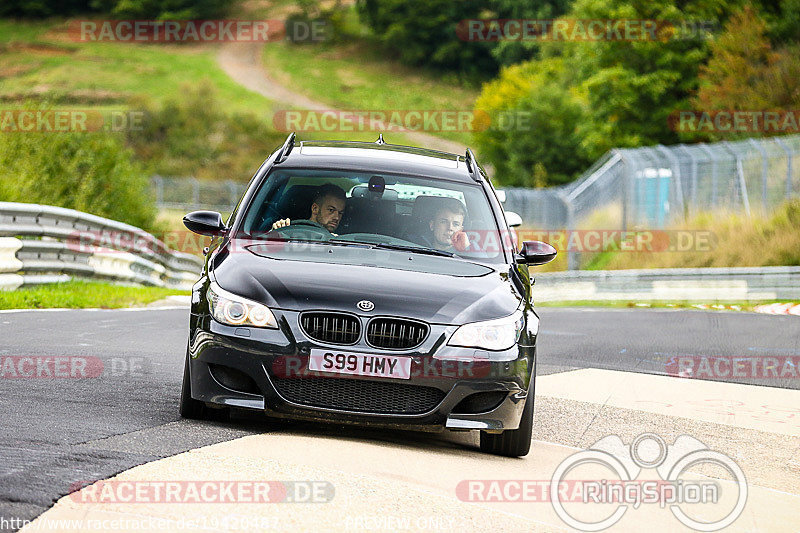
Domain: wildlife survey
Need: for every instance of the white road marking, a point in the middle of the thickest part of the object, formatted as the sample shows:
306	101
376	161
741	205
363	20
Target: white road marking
768	409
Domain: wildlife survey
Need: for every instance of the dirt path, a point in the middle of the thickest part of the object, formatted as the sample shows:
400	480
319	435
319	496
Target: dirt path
242	62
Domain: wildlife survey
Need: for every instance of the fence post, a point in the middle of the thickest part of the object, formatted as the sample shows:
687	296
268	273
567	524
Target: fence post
713	159
573	259
693	167
195	192
740	175
158	181
764	172
625	199
782	144
234	193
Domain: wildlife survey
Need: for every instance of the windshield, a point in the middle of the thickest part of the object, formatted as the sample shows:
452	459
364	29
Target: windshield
386	211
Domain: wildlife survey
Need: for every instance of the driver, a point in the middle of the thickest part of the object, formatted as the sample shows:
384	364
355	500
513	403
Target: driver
327	208
447	228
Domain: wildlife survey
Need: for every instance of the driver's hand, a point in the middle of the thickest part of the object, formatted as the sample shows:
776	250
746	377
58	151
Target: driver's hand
460	241
281	223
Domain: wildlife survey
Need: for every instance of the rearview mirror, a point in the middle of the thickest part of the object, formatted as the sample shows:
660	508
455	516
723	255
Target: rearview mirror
205	223
536	253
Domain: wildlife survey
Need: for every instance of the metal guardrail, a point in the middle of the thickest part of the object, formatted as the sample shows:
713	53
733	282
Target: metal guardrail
45	244
670	284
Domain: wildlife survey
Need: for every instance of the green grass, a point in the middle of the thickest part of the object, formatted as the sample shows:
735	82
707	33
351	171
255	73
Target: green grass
82	294
354	76
111	71
729	240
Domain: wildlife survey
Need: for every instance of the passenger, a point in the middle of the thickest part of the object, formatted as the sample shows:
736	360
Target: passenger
447	228
327	208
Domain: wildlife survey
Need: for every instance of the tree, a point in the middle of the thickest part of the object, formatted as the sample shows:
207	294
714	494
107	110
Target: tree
745	73
533	125
509	52
739	61
423	33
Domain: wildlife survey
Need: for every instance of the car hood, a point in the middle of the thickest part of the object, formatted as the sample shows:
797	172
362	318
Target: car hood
303	277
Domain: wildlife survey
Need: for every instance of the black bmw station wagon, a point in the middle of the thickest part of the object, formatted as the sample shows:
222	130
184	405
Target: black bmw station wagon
372	284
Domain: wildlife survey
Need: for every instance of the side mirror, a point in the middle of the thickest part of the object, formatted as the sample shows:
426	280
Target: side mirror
513	219
205	223
536	253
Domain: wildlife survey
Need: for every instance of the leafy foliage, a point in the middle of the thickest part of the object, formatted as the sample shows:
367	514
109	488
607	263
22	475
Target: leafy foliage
596	95
195	135
90	172
511	52
533	123
745	71
423	33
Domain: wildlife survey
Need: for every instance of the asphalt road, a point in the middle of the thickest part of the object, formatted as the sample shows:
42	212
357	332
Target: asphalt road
58	431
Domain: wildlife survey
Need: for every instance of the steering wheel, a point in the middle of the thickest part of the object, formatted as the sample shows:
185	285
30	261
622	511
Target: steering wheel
307	229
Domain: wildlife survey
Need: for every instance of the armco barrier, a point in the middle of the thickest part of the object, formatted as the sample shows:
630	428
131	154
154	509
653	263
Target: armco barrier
45	244
675	284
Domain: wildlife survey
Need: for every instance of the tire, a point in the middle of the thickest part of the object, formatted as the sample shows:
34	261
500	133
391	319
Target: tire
189	407
512	442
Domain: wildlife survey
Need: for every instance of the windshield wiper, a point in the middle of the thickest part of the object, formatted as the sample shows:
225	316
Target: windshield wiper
415	249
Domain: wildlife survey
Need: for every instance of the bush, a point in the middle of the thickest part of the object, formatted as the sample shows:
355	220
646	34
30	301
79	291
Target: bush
90	172
195	136
766	239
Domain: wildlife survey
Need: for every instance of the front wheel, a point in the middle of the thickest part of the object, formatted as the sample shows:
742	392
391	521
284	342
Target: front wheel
512	442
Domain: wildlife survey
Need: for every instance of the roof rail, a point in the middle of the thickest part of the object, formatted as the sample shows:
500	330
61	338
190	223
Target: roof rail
472	166
283	153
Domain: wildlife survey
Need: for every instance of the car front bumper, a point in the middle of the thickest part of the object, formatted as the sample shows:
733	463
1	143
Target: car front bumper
248	368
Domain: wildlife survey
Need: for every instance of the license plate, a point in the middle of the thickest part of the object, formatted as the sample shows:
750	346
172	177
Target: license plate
360	364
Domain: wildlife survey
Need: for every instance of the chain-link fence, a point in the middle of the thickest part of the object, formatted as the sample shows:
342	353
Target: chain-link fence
190	193
655	186
626	188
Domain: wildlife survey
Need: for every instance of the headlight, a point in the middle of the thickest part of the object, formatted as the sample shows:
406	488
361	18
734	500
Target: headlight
227	308
499	334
